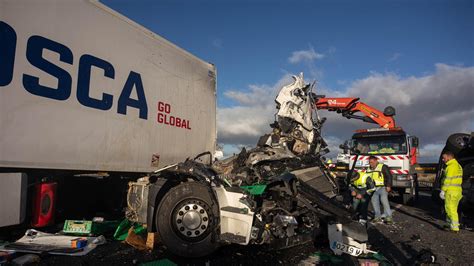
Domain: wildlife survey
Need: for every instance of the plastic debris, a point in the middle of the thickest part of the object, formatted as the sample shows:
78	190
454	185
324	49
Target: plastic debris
100	240
39	242
163	262
321	258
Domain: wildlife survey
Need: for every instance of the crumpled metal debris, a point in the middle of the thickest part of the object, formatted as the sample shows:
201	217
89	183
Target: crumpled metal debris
294	143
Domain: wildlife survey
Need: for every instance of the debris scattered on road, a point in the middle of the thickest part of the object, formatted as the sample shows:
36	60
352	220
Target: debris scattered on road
100	240
321	258
77	227
415	237
425	256
123	228
39	242
163	262
80	242
136	240
98	226
27	259
6	256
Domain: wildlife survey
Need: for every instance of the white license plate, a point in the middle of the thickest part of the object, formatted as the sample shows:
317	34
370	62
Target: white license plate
351	250
360	163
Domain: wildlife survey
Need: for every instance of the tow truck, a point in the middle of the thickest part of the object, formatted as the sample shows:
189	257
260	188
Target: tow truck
389	143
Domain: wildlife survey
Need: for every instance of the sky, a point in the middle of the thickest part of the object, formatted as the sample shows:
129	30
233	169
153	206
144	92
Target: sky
417	56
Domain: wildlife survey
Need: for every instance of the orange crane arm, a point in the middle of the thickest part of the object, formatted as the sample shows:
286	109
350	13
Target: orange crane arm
348	106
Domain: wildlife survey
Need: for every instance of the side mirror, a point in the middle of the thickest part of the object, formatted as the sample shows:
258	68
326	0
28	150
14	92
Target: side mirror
414	142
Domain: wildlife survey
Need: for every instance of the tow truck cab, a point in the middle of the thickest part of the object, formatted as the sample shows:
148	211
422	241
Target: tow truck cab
396	149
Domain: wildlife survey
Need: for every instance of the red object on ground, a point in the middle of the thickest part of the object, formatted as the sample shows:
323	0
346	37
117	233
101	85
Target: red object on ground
44	204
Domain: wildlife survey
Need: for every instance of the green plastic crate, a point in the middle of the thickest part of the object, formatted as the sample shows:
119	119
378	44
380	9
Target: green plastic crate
77	227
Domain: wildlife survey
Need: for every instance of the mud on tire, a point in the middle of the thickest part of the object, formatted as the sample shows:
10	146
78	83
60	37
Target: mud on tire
187	219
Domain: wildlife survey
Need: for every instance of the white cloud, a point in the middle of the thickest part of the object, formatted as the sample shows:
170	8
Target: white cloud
431	151
304	56
245	123
431	107
394	57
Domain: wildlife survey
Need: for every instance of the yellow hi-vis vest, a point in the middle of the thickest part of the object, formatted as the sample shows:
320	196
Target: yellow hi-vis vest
376	175
361	182
453	177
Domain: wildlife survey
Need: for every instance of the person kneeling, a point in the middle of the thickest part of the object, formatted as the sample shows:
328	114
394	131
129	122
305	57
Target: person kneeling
362	187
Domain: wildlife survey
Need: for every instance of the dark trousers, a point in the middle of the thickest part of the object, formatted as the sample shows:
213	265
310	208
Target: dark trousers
361	206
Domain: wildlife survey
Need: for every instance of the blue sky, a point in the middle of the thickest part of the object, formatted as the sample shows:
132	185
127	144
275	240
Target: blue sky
250	41
336	42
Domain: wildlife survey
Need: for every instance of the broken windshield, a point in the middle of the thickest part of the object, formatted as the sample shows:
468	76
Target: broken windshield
381	145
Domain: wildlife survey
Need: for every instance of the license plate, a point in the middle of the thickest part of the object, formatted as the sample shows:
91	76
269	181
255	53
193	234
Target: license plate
360	163
351	250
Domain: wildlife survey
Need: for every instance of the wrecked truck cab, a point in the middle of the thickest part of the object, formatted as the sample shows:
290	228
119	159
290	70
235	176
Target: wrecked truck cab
194	211
277	195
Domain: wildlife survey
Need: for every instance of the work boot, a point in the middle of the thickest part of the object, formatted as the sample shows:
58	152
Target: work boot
377	220
389	220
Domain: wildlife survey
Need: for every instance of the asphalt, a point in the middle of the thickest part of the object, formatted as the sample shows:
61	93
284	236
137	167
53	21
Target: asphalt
415	235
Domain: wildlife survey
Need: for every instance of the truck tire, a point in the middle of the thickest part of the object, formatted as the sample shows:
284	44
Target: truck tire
457	142
187	219
408	199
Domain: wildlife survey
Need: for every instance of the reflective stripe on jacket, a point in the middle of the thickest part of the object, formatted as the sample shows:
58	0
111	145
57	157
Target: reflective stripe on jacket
453	177
377	175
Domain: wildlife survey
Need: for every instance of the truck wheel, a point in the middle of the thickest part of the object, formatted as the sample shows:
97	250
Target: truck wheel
417	189
186	220
407	199
468	170
457	142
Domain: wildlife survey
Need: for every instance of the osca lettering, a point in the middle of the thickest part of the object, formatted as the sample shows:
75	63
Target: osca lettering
35	47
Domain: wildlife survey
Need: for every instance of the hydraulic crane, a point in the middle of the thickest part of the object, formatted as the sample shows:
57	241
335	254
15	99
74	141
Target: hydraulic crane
347	107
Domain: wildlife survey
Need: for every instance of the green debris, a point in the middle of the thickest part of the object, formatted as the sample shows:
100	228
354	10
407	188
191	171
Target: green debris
255	189
332	259
77	227
101	228
122	230
163	262
84	227
379	257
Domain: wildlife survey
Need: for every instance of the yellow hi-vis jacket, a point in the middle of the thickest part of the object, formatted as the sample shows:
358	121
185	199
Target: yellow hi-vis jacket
361	182
376	175
453	177
364	182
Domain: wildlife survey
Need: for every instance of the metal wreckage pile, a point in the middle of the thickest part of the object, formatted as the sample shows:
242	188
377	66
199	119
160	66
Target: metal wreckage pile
278	194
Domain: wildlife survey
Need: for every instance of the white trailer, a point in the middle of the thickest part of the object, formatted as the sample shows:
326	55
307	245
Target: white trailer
83	88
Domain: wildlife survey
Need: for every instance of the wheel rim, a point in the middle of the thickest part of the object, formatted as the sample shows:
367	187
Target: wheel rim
191	220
